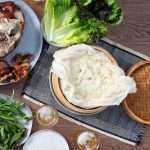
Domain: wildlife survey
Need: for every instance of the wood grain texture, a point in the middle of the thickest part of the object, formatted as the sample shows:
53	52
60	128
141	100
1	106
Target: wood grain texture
134	33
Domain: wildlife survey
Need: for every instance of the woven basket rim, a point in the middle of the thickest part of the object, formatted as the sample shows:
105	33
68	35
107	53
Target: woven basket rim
131	70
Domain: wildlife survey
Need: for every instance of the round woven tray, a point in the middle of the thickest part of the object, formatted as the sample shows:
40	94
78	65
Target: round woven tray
138	105
56	87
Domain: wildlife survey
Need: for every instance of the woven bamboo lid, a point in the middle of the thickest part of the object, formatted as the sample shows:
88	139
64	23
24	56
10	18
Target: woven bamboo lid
138	105
56	87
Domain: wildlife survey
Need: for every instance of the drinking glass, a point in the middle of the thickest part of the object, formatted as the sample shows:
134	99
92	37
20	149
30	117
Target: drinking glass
88	140
47	116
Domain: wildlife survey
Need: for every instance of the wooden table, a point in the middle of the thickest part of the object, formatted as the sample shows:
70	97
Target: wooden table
134	33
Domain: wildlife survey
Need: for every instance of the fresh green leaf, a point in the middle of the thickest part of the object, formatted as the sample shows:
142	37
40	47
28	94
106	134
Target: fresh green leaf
68	22
11	130
84	2
115	15
97	26
110	2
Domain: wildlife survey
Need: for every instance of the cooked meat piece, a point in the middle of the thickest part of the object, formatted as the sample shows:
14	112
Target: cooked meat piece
11	26
17	70
22	64
3	37
7	73
22	71
22	58
7	10
3	64
10	5
10	33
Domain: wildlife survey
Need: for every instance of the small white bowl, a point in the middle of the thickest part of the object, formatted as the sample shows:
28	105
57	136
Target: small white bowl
46	140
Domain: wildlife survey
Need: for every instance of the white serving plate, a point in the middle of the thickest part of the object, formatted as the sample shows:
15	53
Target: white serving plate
46	140
32	38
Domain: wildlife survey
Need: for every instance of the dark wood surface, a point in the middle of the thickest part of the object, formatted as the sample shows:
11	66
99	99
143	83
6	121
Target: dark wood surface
134	33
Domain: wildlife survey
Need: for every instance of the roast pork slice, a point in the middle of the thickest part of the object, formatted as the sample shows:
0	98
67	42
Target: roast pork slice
11	26
10	33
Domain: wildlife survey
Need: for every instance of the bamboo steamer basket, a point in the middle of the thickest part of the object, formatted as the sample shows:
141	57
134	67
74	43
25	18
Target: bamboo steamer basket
58	94
137	105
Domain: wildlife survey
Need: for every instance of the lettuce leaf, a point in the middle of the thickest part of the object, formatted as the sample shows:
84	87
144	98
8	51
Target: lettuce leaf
63	25
84	2
115	14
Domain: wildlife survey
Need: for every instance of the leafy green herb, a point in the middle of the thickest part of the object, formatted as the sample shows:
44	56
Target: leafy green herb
115	14
84	2
68	22
11	130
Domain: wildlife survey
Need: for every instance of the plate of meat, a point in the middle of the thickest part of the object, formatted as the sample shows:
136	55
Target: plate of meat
20	40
